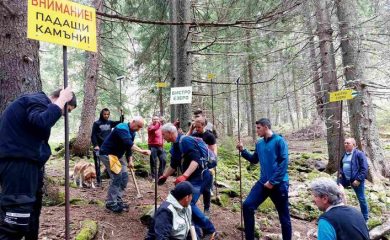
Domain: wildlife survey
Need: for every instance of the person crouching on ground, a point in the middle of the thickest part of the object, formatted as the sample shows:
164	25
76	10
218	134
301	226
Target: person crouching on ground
119	142
173	218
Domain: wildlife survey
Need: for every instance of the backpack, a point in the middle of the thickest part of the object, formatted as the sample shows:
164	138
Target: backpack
208	158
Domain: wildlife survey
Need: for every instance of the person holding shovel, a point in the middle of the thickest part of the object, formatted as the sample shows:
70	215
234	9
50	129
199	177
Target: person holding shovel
119	142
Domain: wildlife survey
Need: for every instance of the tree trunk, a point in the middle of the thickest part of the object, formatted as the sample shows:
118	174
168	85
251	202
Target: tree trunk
318	93
250	60
173	47
276	104
289	110
361	112
19	59
329	78
297	99
183	58
83	141
229	102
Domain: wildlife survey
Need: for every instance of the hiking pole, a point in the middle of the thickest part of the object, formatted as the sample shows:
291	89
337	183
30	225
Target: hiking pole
155	182
135	182
239	154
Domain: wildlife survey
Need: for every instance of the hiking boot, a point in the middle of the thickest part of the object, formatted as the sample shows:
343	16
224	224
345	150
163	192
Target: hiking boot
211	236
115	208
124	205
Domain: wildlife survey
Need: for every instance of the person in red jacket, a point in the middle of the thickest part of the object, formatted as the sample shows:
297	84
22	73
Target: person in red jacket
155	142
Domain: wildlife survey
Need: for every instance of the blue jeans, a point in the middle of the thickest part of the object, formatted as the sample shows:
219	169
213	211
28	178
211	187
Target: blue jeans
359	190
199	219
207	193
257	195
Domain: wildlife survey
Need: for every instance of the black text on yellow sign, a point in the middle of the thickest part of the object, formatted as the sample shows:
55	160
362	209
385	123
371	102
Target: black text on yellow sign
62	22
340	95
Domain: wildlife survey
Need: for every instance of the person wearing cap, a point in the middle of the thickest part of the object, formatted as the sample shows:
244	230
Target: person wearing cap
173	218
337	221
272	153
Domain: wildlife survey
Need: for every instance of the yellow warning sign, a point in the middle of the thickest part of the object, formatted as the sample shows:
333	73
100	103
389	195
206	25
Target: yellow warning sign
340	95
210	76
62	22
162	84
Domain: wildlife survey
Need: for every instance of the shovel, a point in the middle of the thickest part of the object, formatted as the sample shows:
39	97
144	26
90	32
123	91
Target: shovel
135	182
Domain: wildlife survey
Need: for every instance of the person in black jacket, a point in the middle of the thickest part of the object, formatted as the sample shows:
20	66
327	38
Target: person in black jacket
25	127
100	130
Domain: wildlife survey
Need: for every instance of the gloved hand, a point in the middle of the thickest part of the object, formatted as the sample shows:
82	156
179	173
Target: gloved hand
161	180
180	179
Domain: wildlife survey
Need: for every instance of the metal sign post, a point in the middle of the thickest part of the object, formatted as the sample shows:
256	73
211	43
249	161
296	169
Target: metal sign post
120	78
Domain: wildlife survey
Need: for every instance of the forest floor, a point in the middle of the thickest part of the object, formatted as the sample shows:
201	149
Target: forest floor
128	225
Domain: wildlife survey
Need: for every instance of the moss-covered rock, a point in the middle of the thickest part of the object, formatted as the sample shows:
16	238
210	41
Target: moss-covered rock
88	230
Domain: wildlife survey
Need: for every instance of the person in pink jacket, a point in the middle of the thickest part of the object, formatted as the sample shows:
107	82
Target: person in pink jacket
155	142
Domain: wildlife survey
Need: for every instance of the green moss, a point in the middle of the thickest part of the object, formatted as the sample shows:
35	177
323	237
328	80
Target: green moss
373	222
267	206
88	230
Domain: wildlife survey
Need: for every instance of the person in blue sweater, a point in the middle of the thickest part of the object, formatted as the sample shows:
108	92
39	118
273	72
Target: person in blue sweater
100	130
338	222
272	153
353	172
185	148
118	143
172	220
25	127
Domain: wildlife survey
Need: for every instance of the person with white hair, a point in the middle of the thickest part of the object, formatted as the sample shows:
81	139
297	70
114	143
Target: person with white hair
338	221
120	142
188	155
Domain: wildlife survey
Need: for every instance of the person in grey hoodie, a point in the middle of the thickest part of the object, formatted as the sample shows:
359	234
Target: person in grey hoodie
172	220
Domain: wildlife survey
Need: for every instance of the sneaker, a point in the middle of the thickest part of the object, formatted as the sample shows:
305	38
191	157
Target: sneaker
207	213
211	236
115	208
124	205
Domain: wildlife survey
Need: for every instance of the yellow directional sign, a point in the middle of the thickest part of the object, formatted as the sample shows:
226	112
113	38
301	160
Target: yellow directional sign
340	95
162	84
62	22
210	76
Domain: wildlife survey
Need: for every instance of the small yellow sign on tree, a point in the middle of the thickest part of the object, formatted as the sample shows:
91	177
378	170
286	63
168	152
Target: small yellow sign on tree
340	95
62	22
162	84
210	76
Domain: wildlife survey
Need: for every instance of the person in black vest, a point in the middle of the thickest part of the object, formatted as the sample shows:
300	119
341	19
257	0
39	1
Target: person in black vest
100	130
338	221
25	127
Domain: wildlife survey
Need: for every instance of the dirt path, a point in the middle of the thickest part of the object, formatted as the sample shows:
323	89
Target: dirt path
127	225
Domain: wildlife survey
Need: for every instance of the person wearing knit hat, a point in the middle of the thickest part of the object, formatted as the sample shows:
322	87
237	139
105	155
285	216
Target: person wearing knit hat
173	218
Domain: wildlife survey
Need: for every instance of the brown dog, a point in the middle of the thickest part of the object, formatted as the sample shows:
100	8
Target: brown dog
84	172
